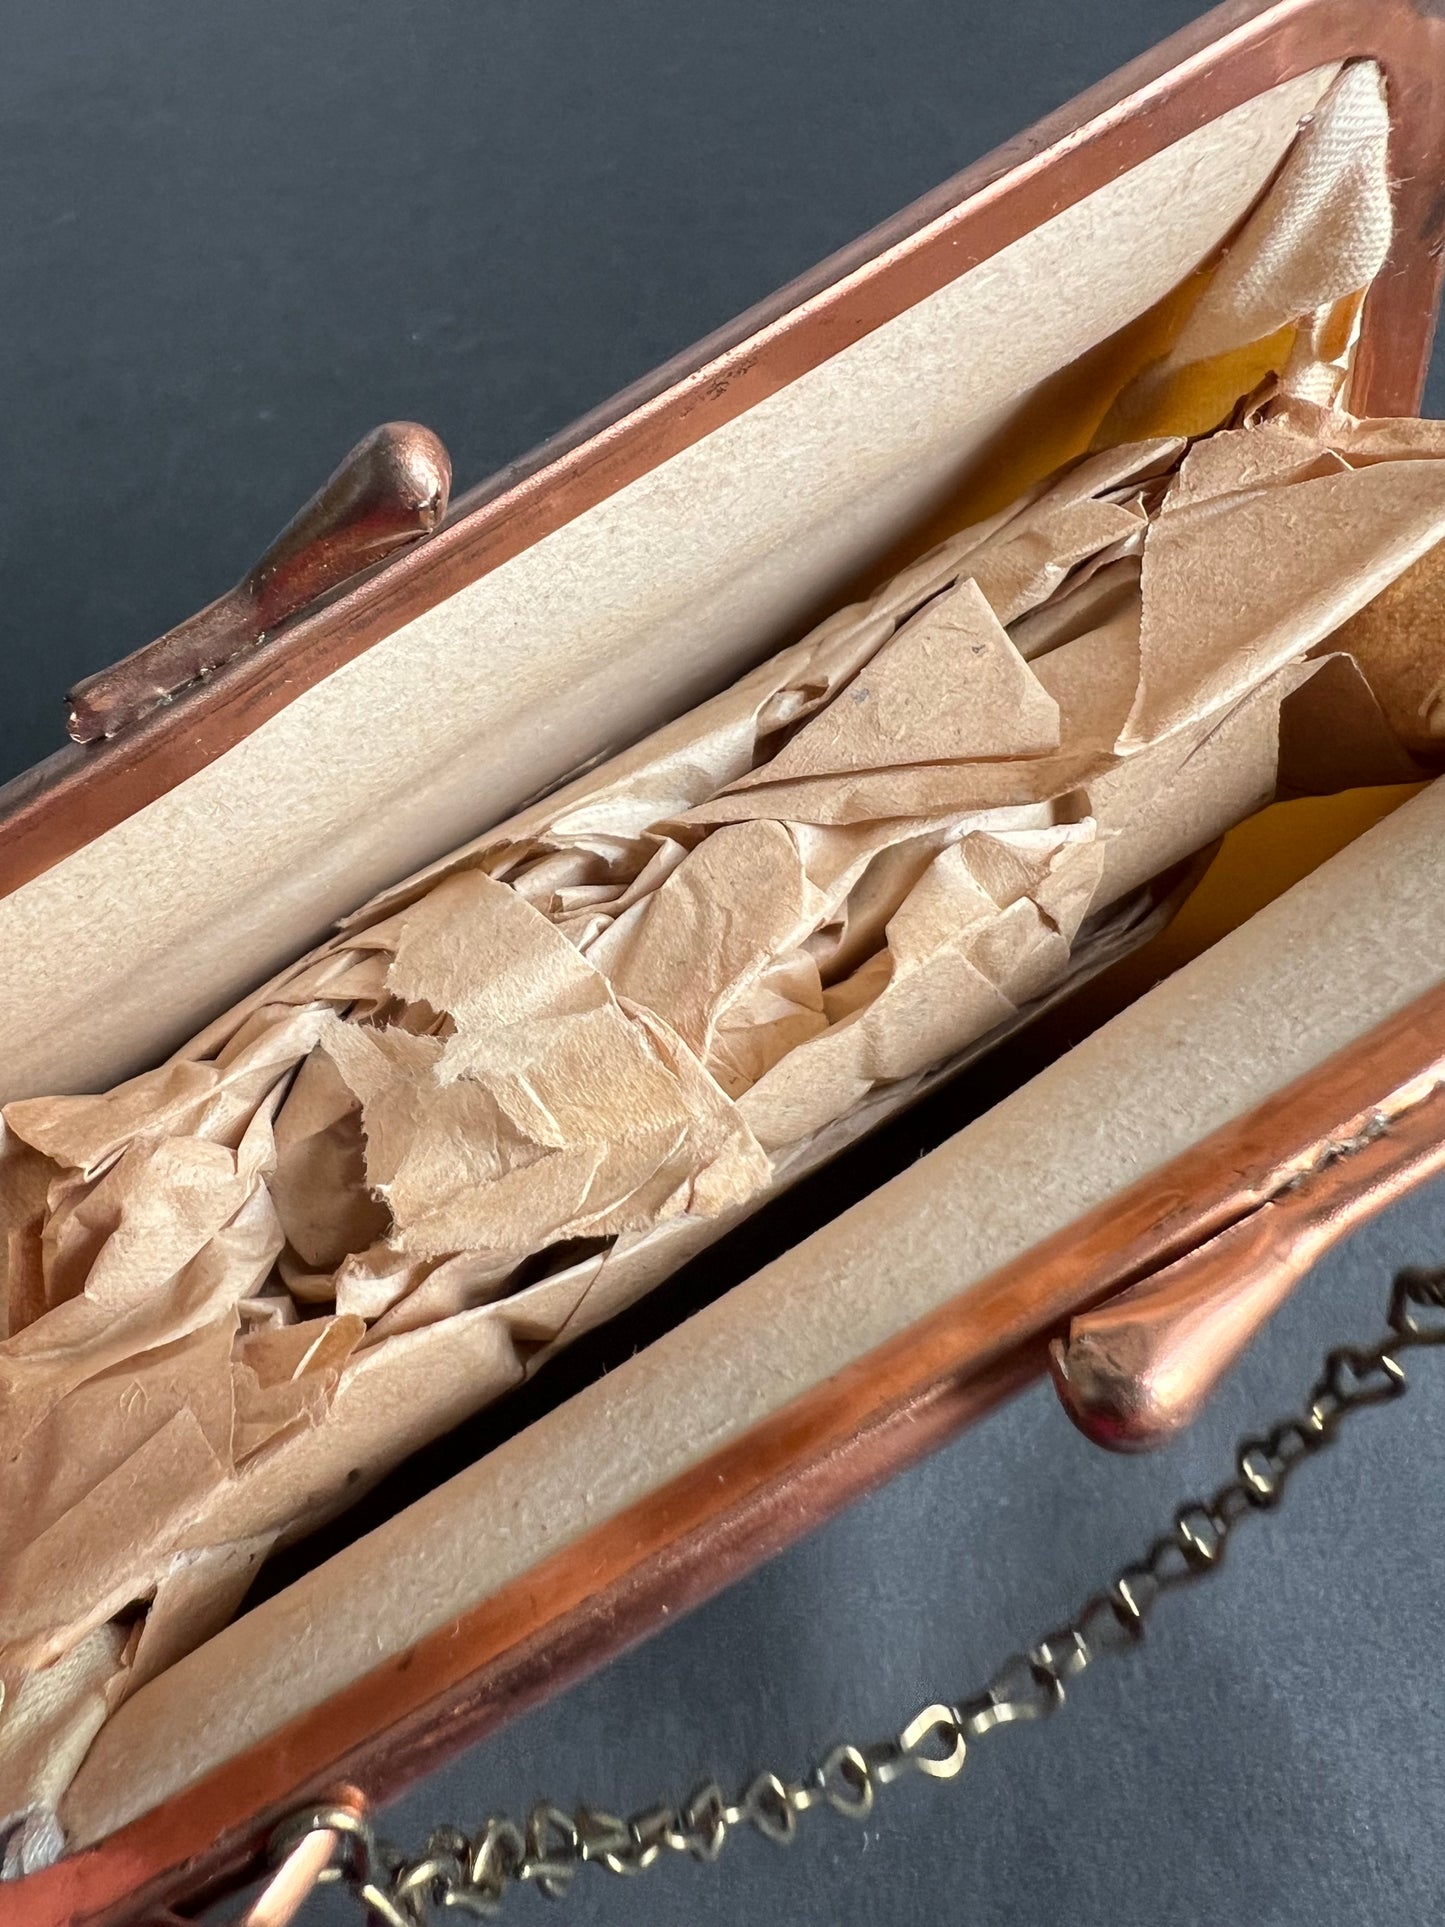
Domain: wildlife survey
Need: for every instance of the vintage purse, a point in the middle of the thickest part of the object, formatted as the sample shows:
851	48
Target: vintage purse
1097	465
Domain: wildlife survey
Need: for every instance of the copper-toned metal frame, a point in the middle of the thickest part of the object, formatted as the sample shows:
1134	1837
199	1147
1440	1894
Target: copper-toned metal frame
686	1541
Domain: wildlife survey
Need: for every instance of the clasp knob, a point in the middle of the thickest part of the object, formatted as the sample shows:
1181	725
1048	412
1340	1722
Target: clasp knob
390	491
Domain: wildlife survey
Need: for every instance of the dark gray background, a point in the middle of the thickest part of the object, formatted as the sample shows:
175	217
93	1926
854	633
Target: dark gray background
236	237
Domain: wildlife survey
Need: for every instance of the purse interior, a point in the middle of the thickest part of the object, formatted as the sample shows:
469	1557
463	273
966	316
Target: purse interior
638	608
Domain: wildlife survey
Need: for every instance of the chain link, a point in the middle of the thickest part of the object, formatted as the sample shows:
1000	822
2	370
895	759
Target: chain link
470	1873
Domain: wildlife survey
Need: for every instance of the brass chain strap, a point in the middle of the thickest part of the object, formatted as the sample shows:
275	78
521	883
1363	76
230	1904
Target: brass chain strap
470	1873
